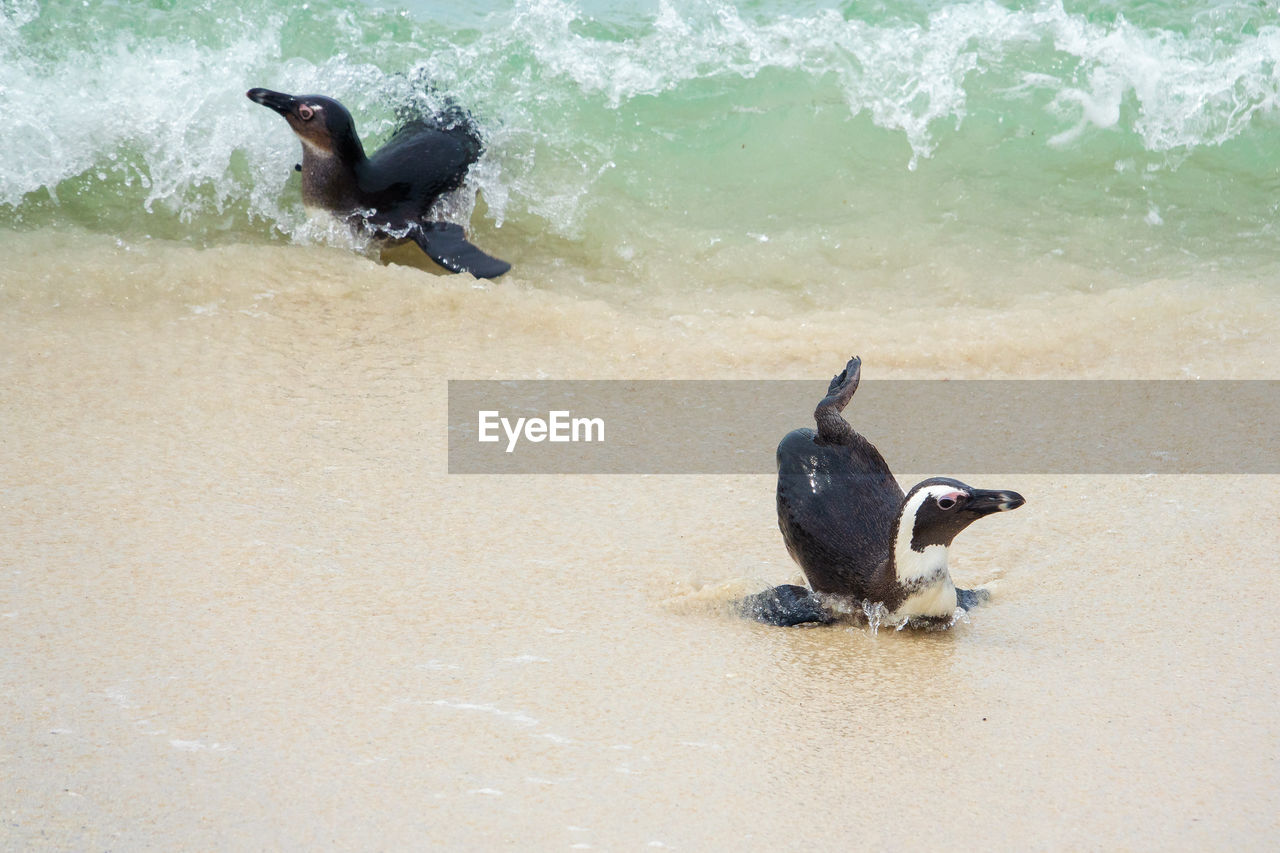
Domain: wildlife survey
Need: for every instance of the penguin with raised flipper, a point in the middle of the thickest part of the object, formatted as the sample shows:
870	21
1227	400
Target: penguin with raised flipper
848	525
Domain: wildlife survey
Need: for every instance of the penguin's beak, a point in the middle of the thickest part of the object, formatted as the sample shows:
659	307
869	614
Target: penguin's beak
987	501
278	101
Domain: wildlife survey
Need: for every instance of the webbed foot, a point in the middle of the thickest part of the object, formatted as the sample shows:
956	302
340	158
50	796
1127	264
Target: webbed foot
832	427
971	598
844	383
786	606
446	244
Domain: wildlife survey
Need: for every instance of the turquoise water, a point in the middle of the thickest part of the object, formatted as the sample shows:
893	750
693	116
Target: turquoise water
1136	137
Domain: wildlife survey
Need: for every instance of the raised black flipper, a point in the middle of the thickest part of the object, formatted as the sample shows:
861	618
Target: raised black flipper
832	427
785	605
446	244
971	598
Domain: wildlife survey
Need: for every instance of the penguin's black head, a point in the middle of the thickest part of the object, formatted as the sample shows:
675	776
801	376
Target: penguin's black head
939	508
323	124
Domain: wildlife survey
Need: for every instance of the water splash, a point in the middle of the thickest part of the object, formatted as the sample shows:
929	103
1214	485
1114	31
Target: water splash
618	127
878	615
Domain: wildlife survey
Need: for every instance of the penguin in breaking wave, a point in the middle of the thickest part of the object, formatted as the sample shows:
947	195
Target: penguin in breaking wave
855	534
389	194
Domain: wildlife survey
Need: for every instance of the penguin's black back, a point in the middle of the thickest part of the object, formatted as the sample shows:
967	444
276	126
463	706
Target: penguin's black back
837	504
423	159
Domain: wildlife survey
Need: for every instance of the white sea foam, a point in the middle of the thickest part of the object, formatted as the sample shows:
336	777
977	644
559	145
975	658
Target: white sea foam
619	133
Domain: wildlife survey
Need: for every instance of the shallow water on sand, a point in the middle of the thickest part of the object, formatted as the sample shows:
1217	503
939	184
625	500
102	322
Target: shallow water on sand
245	606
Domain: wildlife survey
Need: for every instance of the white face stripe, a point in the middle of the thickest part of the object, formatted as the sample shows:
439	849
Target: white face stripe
937	598
906	524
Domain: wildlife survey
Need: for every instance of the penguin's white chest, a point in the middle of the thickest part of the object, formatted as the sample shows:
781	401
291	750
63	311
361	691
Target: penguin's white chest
925	573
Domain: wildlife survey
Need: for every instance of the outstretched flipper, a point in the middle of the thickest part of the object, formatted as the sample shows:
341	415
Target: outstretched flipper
971	598
785	605
832	427
446	244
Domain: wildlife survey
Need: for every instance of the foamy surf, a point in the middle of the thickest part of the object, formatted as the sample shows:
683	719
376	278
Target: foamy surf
634	137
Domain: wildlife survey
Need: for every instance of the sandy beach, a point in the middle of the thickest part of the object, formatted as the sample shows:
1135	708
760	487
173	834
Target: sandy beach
245	607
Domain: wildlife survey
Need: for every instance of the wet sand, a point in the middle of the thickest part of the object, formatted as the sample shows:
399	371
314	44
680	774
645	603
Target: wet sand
244	606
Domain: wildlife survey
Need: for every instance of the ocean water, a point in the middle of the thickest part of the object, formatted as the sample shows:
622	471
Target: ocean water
244	605
765	142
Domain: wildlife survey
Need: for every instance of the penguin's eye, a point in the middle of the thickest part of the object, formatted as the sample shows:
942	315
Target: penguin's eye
305	112
946	503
